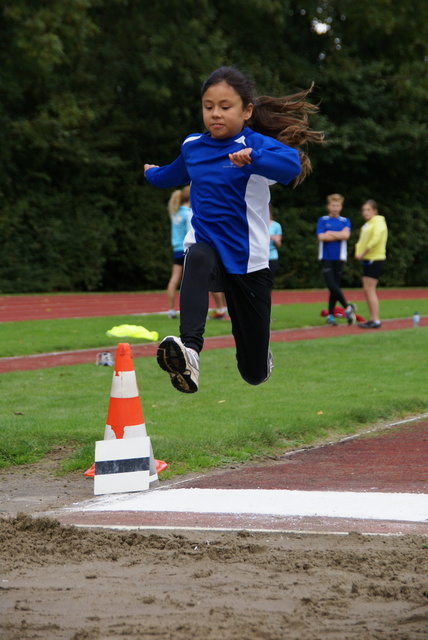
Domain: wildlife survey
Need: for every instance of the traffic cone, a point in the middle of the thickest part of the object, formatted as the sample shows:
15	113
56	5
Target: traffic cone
125	416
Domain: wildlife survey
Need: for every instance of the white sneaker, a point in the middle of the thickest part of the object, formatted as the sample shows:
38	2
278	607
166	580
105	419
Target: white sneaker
180	362
270	365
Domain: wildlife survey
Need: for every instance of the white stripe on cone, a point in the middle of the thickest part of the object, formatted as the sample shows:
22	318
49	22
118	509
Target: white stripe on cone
124	385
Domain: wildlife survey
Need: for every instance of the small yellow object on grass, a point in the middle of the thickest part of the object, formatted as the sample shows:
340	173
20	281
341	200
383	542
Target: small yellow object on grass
132	331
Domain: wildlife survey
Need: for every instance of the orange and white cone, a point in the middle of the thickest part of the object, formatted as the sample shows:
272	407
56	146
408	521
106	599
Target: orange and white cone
125	415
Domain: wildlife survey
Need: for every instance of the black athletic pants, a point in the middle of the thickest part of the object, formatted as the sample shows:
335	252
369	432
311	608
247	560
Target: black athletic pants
248	300
332	271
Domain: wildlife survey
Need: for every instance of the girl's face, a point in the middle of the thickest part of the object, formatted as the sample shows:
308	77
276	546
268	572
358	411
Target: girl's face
223	112
368	212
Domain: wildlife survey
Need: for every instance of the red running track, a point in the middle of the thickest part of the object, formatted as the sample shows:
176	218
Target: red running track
85	305
16	308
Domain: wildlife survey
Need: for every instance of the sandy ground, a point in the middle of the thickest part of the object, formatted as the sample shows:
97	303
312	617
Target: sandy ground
66	583
60	582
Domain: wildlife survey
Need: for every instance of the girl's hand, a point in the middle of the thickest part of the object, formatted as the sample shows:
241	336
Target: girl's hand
240	158
149	166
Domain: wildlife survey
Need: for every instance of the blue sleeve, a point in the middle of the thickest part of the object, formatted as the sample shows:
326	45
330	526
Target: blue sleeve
275	161
320	226
170	175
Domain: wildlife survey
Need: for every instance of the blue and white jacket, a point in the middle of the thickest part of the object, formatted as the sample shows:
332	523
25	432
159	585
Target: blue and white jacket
230	204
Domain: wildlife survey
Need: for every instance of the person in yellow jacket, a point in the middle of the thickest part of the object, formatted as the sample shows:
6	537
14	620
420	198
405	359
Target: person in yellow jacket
371	251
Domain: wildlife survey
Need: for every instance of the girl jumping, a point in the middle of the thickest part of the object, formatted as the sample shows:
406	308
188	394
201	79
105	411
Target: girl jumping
250	143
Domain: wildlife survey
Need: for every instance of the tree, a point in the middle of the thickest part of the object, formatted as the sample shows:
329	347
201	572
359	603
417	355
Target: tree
373	80
92	89
52	220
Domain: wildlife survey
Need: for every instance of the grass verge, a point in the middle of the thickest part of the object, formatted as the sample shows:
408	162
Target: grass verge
319	389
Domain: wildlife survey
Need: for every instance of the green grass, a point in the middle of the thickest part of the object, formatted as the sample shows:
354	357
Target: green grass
42	336
319	389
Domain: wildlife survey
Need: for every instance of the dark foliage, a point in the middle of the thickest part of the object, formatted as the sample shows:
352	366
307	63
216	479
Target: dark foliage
92	90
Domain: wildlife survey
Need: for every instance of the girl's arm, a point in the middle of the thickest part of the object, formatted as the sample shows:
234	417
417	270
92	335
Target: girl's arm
375	233
242	157
277	240
269	158
360	256
275	161
170	175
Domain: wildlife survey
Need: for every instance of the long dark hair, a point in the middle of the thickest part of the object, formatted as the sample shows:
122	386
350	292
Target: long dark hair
285	118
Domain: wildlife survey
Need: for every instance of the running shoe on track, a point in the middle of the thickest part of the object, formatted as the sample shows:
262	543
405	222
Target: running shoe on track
180	362
350	313
370	324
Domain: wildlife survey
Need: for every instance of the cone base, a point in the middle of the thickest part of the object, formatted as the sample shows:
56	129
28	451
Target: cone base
159	464
90	473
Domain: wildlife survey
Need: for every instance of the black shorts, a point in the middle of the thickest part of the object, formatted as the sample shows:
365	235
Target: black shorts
373	268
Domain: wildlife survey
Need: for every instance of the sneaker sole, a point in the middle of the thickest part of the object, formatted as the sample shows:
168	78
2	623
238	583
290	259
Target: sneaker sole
171	359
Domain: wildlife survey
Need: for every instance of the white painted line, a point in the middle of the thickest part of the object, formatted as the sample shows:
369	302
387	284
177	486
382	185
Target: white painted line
412	507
